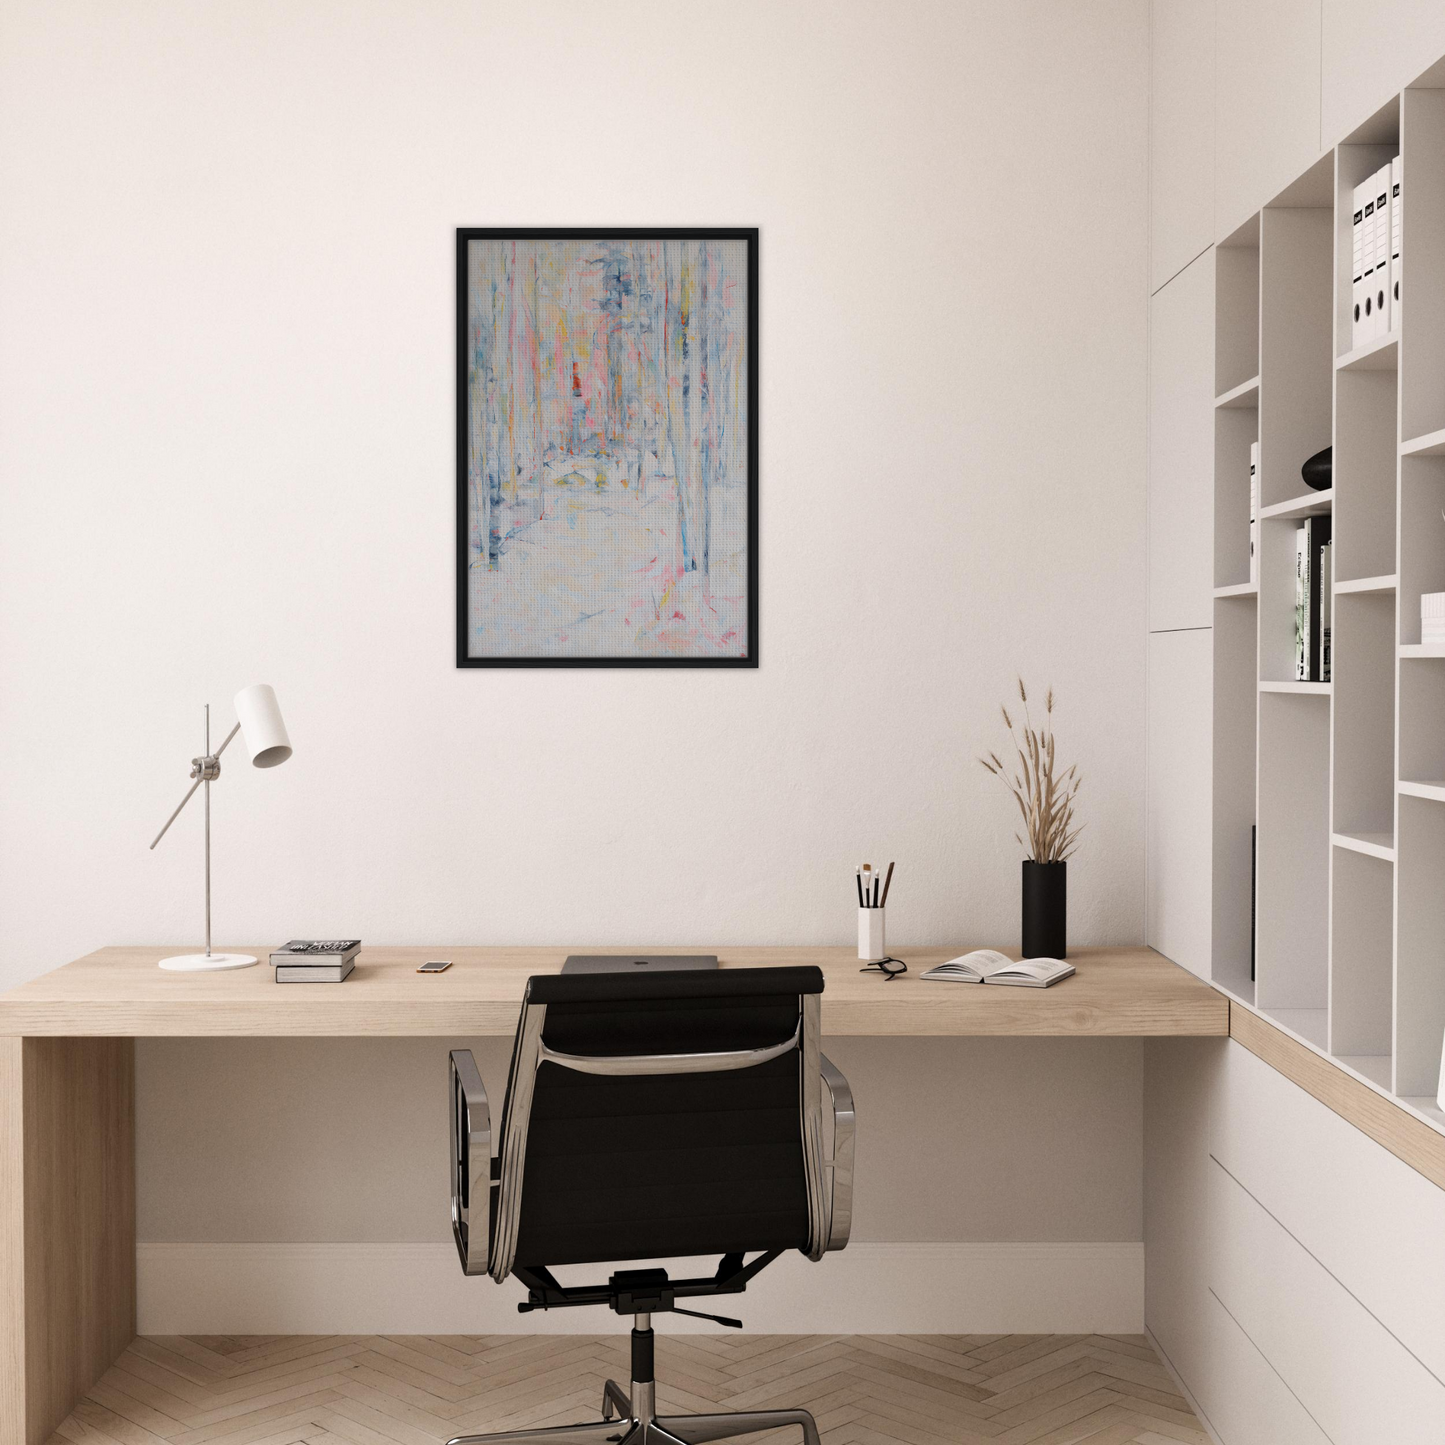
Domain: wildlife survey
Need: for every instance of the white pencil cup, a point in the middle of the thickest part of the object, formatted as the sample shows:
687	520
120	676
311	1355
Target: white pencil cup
871	946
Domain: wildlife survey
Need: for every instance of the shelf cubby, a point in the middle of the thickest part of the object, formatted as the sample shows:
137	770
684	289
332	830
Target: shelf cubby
1236	708
1235	429
1365	459
1356	160
1422	253
1236	311
1296	367
1294	852
1364	703
1420	962
1362	902
1422	537
1422	721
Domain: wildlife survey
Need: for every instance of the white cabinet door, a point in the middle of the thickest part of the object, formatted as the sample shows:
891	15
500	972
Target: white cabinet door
1181	450
1371	1220
1246	1401
1266	102
1358	1382
1181	134
1178	901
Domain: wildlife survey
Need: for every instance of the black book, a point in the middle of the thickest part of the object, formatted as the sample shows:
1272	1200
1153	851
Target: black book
1253	892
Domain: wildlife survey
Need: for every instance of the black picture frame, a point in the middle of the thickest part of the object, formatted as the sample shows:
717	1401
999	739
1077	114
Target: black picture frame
467	234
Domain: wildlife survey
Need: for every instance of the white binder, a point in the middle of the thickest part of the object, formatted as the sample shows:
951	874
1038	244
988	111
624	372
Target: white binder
1382	251
1357	268
1396	224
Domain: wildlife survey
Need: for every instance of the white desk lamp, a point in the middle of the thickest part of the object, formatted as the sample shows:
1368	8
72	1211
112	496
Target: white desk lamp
258	720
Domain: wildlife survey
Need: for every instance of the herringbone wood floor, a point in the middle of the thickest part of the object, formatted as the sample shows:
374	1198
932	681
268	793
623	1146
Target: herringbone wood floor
418	1390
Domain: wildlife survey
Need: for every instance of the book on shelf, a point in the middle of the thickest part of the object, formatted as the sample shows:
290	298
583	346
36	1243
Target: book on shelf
314	972
988	965
1301	606
1326	607
1310	613
1254	513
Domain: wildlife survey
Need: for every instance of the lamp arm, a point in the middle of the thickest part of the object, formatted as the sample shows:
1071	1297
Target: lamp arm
227	743
202	774
177	813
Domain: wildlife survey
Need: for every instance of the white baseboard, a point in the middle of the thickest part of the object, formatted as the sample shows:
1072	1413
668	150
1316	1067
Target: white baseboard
306	1289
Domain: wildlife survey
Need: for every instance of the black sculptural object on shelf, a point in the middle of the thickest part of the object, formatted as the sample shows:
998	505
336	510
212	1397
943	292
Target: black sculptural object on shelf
1319	471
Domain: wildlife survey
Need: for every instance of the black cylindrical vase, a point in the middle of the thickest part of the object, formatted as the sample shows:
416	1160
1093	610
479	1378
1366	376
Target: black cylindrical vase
1046	909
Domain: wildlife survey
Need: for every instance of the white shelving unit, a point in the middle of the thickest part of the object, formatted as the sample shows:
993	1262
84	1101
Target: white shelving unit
1344	781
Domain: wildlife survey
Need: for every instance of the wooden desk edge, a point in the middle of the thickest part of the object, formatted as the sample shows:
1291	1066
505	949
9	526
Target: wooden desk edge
1167	1002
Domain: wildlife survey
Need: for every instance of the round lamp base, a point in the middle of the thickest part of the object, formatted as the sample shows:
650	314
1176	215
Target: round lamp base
207	962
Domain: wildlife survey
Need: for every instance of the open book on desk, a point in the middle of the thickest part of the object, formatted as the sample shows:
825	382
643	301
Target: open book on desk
987	965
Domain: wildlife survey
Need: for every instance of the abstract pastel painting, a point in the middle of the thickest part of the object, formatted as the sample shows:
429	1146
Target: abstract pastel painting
607	491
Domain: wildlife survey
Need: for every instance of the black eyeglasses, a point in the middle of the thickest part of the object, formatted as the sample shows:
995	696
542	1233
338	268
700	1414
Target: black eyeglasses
890	968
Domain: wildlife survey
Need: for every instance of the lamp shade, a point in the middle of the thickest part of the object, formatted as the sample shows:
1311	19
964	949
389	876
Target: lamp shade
262	730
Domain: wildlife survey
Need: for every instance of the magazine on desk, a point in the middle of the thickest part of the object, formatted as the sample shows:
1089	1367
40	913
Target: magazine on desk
987	965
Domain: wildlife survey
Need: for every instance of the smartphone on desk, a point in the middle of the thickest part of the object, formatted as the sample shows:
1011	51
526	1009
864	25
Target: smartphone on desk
435	965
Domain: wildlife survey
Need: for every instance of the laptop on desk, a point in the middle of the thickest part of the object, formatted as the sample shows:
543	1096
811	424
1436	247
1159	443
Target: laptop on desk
637	962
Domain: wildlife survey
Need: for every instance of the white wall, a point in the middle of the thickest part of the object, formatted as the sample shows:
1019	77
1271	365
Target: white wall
226	370
226	378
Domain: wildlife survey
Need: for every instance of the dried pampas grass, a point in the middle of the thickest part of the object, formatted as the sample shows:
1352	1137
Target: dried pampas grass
1046	801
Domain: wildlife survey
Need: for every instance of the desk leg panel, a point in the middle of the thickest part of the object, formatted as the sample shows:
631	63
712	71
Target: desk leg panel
67	1212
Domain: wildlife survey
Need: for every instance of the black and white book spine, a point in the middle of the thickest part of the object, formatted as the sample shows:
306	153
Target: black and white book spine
1357	268
1367	322
1254	514
1301	606
1317	535
1327	607
1396	227
1382	252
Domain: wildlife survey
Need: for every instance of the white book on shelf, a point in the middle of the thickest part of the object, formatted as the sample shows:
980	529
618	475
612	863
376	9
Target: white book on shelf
1367	325
1357	267
1301	605
1382	251
1396	226
1254	514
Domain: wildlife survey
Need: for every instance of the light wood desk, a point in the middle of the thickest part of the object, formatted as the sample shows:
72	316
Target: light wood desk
67	1090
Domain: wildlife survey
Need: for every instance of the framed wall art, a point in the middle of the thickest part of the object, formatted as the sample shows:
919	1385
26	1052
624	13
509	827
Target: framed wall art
607	448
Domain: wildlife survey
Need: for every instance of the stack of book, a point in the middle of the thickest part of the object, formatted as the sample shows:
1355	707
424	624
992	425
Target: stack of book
1312	601
1375	270
315	960
1432	618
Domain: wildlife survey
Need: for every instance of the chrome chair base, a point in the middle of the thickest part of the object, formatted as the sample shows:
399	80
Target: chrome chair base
642	1427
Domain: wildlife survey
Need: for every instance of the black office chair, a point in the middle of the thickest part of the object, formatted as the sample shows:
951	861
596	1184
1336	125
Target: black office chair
650	1117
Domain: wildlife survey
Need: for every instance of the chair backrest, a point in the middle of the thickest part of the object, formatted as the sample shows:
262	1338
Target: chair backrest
662	1115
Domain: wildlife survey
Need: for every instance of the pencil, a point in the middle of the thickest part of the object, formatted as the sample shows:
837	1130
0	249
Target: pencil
887	884
858	879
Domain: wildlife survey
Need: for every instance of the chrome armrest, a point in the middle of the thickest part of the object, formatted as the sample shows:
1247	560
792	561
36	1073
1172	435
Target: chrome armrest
840	1166
471	1126
628	1064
